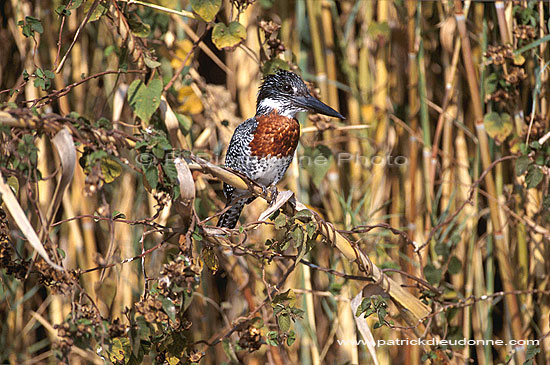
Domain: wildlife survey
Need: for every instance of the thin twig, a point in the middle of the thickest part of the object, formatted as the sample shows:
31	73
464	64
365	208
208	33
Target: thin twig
467	201
92	8
59	93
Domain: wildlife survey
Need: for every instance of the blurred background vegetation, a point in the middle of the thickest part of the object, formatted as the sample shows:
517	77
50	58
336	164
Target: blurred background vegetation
439	176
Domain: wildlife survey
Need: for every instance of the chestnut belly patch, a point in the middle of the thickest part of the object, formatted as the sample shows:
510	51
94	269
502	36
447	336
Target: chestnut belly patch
275	136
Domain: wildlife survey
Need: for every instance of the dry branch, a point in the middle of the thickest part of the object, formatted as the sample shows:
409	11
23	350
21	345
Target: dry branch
400	296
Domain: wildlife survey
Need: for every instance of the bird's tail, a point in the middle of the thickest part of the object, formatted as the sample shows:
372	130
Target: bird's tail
230	218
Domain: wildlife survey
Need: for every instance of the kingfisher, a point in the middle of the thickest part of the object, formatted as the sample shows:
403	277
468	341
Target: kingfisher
263	146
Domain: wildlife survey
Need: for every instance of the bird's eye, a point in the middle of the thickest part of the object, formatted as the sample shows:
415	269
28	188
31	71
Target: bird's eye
287	88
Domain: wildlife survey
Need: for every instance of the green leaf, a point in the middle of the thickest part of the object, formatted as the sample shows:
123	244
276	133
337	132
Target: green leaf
76	4
297	312
370	311
519	59
273	65
257	322
522	163
546	202
281	297
280	221
207	9
119	350
305	213
61	252
169	307
302	253
298	236
291	338
34	24
532	351
228	36
442	248
432	274
109	50
152	176
278	308
271	338
534	177
382	315
99	11
267	4
379	30
317	162
118	215
284	322
311	228
285	246
176	192
151	63
185	122
173	360
158	152
170	170
138	27
104	123
25	29
361	308
49	74
62	10
229	352
210	259
110	169
491	83
164	143
498	126
455	265
145	99
40	83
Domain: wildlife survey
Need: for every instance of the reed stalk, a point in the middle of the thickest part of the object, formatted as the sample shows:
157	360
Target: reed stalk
413	111
379	177
503	253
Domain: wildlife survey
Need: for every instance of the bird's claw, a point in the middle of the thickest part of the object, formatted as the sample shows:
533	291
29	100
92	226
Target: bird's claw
273	192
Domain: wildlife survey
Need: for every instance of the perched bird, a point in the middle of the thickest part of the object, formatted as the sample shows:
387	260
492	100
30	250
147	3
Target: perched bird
263	147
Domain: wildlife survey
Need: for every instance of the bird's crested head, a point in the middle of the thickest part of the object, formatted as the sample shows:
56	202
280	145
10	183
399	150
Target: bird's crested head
287	94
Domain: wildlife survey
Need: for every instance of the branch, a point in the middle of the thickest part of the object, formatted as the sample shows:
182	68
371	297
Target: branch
399	295
62	92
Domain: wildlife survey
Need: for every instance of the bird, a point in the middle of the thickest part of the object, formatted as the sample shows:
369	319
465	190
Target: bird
262	147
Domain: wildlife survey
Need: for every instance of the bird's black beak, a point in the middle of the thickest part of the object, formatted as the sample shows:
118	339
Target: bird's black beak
314	105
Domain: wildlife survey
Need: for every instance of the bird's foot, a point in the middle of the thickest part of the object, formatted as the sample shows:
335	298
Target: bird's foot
273	192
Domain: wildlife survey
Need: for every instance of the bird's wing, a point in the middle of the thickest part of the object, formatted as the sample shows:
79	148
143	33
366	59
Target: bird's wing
238	149
238	146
